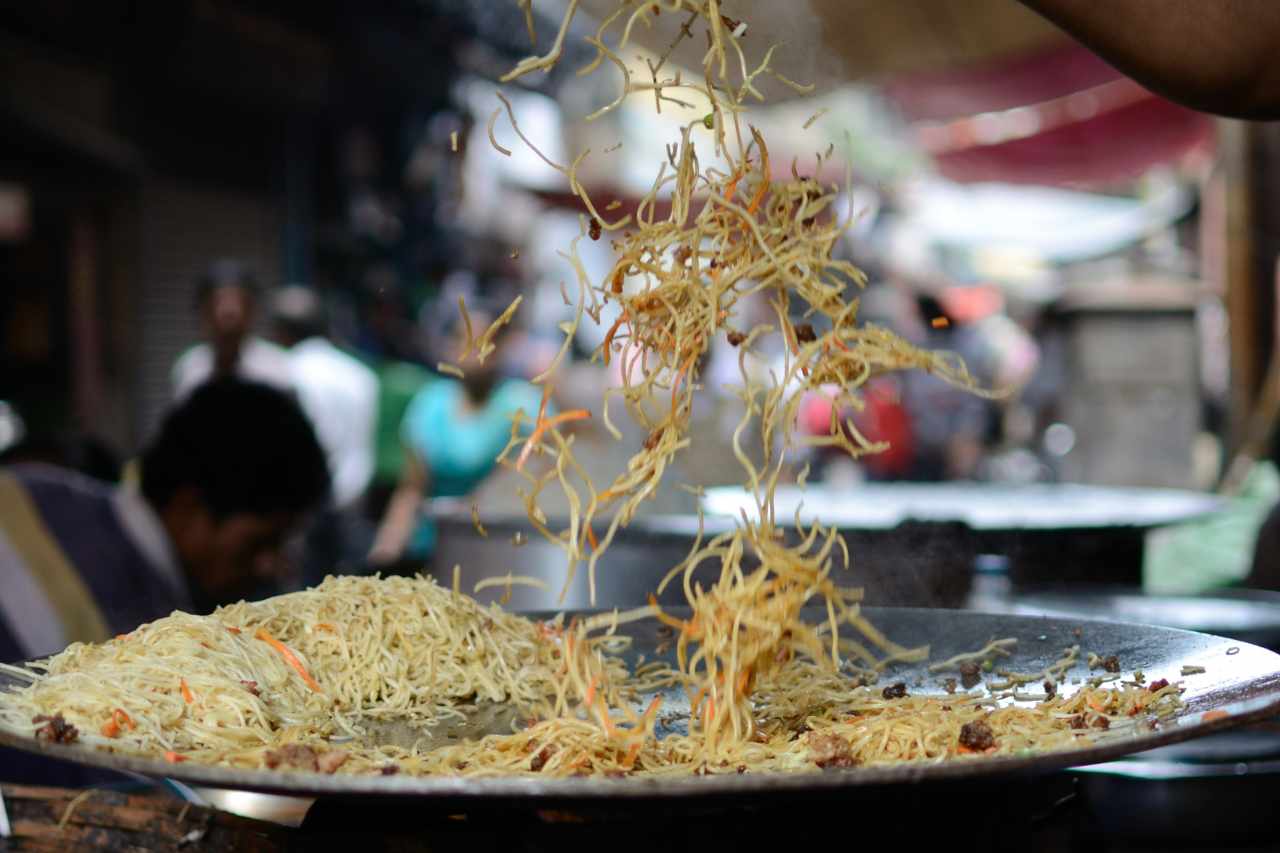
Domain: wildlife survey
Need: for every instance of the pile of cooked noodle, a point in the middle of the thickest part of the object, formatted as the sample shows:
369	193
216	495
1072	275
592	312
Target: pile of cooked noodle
305	680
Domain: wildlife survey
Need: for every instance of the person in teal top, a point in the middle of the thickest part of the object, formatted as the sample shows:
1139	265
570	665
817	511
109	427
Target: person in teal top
452	433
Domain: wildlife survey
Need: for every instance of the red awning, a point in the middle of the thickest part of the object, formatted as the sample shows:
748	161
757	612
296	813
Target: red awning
1060	116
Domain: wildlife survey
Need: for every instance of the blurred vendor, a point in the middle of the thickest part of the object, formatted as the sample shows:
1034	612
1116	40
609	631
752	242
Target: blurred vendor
233	469
340	396
948	424
226	298
452	433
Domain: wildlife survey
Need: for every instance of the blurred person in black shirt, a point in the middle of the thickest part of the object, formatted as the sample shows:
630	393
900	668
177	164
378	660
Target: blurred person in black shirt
233	469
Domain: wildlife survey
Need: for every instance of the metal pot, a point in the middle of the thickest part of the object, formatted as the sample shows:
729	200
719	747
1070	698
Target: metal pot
1202	794
914	563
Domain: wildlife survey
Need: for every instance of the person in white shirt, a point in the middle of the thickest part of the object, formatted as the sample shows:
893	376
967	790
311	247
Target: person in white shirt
227	304
336	390
340	396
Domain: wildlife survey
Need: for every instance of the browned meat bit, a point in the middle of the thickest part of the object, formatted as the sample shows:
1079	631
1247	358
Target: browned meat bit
735	338
1101	722
540	760
654	437
742	768
1050	689
1158	685
296	755
329	762
946	707
389	769
895	691
729	23
617	282
831	751
1111	663
1077	722
949	685
805	333
970	674
683	254
251	686
56	729
595	229
977	736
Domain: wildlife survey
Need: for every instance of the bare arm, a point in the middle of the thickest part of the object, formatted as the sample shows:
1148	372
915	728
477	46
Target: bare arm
401	518
1213	55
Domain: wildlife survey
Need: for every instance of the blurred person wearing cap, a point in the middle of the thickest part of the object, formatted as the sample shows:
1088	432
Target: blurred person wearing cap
226	297
340	396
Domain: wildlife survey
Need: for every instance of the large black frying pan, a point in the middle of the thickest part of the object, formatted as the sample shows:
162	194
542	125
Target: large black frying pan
1240	679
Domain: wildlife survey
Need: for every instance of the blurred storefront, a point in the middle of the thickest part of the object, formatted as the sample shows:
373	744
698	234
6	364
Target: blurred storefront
142	143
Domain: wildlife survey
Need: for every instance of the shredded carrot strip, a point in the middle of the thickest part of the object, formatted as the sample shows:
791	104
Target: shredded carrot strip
542	406
608	337
325	626
110	729
732	187
1215	714
591	537
119	716
675	386
764	173
590	696
289	657
233	630
173	757
186	691
543	426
